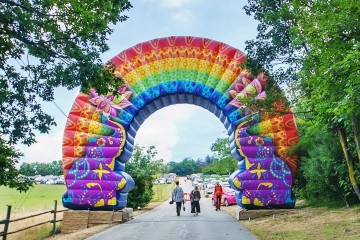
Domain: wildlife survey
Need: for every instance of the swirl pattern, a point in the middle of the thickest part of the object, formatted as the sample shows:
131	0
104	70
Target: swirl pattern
99	133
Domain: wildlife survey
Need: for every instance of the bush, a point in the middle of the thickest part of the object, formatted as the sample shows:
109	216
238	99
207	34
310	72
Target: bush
141	169
323	173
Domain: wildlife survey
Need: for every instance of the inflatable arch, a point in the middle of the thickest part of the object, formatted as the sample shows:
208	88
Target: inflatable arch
100	131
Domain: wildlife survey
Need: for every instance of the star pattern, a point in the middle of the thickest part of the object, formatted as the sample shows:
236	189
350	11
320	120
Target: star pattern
101	171
258	170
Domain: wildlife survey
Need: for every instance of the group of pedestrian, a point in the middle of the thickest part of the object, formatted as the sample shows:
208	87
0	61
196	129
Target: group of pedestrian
177	196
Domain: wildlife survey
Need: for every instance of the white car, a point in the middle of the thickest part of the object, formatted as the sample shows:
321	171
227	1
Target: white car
162	180
210	188
50	182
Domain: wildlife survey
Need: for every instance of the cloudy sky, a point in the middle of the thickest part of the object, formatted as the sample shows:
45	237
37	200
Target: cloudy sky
177	131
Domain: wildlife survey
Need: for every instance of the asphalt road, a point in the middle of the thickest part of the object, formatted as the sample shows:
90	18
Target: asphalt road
161	223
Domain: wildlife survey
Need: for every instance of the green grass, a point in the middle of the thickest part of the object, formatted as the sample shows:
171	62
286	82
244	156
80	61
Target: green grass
39	197
325	203
309	223
37	233
42	196
162	192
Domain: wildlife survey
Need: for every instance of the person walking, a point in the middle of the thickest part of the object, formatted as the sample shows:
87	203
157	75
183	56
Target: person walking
218	194
195	197
177	196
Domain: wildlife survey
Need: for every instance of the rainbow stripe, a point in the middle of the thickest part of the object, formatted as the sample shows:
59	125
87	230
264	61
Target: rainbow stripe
178	64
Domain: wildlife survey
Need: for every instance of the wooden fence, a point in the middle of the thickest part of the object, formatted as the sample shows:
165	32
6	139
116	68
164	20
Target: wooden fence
6	222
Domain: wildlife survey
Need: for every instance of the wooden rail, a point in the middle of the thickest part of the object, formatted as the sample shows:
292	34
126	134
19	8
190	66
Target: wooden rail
6	222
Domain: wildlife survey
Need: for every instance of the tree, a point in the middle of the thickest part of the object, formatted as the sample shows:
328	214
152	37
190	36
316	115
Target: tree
200	163
142	167
46	44
27	169
9	175
55	168
272	50
319	51
209	160
223	162
322	173
159	166
186	167
332	63
41	168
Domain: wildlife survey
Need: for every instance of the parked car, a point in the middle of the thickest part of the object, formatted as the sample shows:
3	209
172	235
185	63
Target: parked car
50	182
60	181
209	188
228	197
162	181
169	181
200	182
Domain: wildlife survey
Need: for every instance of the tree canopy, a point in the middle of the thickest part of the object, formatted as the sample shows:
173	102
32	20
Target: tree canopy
314	47
41	168
223	161
143	167
220	162
186	167
45	44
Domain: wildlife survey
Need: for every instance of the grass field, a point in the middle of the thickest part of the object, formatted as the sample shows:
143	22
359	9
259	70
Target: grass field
309	223
40	197
162	192
306	223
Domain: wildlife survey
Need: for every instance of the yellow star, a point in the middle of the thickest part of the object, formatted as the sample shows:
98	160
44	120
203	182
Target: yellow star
258	171
100	171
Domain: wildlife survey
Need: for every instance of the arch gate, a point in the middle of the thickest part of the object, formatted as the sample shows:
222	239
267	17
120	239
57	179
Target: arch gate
100	131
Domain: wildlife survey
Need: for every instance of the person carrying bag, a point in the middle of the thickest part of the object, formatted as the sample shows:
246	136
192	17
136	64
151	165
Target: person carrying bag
195	197
177	196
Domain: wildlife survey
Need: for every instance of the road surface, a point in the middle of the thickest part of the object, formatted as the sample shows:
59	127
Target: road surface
161	223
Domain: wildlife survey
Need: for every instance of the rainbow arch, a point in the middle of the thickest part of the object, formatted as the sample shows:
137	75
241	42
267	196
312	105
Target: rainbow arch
100	131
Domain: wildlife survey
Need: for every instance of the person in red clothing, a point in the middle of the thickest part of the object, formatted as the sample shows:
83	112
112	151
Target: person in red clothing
217	193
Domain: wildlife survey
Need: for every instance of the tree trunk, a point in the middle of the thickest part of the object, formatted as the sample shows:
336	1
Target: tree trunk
344	198
355	125
342	137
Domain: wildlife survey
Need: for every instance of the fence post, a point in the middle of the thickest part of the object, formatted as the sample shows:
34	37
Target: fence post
54	218
7	222
87	224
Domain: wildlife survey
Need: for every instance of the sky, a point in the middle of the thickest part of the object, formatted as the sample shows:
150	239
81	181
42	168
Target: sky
177	131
